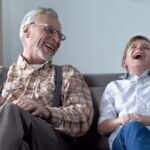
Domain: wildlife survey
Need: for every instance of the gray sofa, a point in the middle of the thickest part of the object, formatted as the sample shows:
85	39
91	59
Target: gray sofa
92	140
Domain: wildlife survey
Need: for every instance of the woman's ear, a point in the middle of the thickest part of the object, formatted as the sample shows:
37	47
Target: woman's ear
26	30
123	64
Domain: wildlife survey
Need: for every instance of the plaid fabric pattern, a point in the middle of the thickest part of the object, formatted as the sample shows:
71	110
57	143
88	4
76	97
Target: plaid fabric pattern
27	84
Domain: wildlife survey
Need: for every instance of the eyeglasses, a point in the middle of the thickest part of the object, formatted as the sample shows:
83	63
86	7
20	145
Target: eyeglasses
51	30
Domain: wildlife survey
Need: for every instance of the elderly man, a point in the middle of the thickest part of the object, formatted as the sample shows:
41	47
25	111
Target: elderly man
31	116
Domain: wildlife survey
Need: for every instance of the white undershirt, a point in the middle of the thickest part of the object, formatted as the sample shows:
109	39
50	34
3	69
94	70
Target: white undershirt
36	66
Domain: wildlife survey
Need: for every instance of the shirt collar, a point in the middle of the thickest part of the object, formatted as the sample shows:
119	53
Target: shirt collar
22	63
131	75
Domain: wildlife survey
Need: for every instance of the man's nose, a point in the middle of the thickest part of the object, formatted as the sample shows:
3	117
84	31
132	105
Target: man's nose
55	37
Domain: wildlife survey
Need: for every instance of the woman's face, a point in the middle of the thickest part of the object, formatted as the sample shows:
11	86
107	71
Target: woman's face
137	56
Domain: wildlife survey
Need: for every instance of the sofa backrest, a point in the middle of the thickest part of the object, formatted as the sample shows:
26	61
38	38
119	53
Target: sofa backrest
97	83
3	75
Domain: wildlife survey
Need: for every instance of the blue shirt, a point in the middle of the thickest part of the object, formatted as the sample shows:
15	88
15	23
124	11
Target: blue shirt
122	97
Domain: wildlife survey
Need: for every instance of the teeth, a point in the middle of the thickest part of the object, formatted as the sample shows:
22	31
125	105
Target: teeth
49	46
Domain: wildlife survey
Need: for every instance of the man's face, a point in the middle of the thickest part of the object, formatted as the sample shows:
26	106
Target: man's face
137	56
43	43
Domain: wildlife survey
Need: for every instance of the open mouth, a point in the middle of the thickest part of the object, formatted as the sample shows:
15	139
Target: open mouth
138	56
49	46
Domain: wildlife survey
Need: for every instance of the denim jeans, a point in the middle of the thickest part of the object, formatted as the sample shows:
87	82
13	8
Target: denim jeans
133	136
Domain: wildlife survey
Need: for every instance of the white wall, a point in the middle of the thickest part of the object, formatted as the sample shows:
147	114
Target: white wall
1	54
96	30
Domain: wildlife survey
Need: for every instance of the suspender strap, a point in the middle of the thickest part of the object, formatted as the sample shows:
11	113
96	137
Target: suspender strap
3	77
56	101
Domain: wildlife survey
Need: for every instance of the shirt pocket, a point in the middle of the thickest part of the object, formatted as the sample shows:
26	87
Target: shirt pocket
13	87
44	91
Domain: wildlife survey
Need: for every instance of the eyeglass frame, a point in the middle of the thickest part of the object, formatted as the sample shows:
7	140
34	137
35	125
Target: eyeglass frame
51	30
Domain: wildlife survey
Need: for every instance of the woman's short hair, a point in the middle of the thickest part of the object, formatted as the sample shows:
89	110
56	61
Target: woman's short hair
133	39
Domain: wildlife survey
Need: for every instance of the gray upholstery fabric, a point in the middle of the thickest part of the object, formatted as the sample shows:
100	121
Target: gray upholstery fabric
92	140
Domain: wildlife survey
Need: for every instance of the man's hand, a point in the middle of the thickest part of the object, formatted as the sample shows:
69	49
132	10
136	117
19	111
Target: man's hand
2	100
35	109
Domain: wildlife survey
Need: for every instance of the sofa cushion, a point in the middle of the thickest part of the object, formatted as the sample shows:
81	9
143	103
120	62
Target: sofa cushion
92	140
97	94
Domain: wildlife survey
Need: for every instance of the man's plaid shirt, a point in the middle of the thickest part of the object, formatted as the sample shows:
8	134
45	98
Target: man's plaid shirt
24	83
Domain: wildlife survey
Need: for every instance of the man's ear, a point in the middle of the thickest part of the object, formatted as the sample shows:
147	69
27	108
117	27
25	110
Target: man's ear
123	64
26	30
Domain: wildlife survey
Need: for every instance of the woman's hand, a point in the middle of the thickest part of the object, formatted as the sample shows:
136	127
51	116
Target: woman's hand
135	116
109	125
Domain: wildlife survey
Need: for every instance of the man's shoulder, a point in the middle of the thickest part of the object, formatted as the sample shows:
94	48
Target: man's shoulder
69	68
12	67
69	71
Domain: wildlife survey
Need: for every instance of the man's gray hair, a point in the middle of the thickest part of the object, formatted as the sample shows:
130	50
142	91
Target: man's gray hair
31	15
